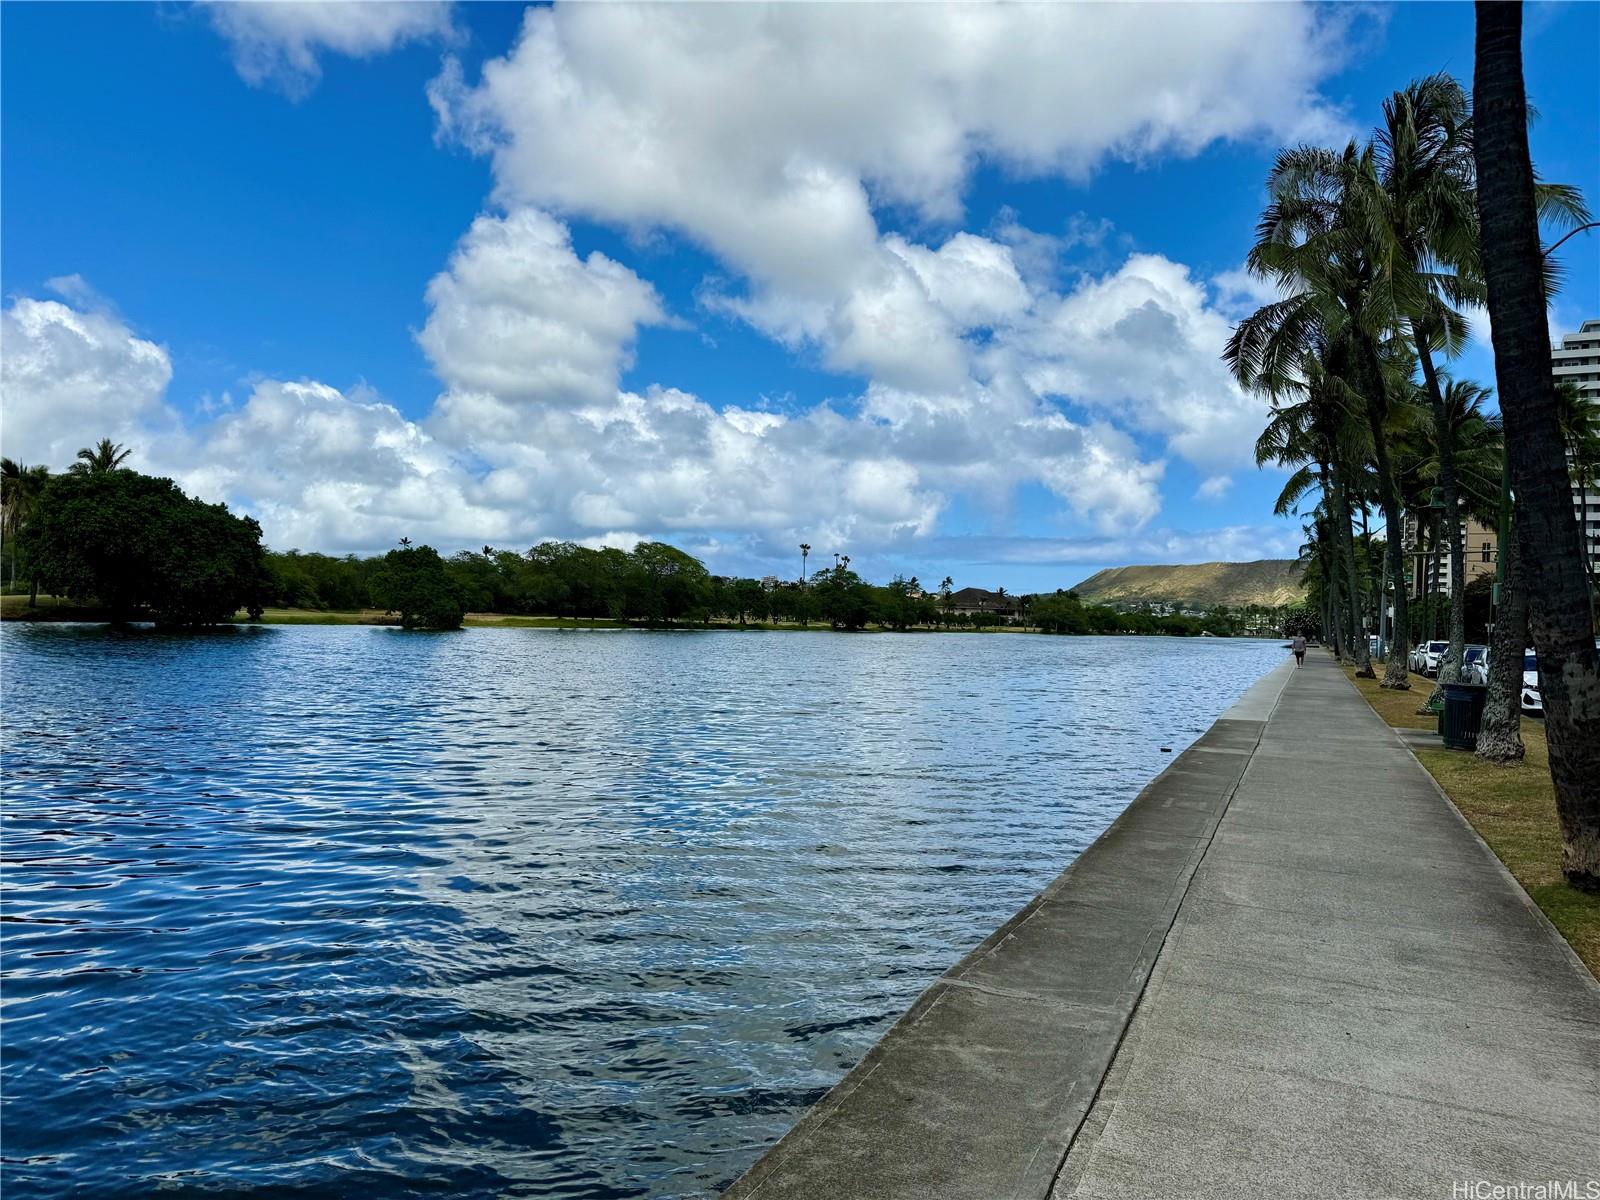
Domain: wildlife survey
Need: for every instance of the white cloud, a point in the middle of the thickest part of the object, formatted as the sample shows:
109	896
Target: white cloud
770	137
518	315
1142	346
325	470
1214	488
725	119
69	377
278	42
769	133
591	459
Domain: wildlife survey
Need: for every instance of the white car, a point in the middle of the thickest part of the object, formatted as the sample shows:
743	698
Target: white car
1475	665
1432	655
1414	658
1532	702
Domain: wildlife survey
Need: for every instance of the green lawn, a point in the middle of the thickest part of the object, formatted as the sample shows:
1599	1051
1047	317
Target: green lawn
1513	808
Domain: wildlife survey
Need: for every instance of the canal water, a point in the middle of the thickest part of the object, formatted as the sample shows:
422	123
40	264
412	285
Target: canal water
348	911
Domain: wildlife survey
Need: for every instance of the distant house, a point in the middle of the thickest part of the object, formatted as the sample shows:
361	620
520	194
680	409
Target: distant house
768	582
976	600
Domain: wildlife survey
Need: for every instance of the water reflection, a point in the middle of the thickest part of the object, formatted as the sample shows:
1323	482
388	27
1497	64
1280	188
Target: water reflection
517	912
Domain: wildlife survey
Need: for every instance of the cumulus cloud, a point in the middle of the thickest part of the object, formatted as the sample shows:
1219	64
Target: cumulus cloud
589	459
666	114
327	470
519	316
771	138
1142	344
278	43
774	137
69	376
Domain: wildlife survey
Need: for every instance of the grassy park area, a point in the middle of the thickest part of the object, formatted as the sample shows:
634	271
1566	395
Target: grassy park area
1513	808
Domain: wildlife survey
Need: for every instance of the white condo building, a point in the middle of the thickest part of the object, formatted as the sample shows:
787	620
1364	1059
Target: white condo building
1577	361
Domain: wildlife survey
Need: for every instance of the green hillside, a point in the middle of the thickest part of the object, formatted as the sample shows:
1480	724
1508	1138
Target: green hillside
1269	581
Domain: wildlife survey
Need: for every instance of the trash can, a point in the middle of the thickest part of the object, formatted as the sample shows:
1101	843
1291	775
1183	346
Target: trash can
1463	713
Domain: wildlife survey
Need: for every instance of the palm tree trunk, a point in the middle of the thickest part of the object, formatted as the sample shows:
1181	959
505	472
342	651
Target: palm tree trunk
1450	669
1500	734
1552	546
1346	533
1394	672
1327	553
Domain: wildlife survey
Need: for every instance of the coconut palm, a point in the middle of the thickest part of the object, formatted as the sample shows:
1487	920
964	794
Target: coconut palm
1419	211
1311	242
1313	434
105	456
1551	558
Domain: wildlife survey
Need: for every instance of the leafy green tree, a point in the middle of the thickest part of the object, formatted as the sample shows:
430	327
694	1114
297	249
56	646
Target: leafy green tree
414	583
746	597
1061	612
20	489
1300	620
667	585
138	544
895	605
843	596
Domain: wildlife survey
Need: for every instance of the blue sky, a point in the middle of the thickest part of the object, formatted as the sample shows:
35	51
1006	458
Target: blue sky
718	276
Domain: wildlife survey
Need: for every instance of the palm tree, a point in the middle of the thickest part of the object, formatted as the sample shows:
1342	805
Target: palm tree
1421	207
1579	416
1315	432
20	488
1419	201
1551	558
106	456
805	551
1312	242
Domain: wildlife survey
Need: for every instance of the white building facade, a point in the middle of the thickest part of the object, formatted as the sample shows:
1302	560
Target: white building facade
1577	361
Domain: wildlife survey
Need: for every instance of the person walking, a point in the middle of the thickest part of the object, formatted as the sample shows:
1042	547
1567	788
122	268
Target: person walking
1299	649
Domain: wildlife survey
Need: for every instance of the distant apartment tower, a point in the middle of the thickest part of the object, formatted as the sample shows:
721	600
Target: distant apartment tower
1428	560
1577	361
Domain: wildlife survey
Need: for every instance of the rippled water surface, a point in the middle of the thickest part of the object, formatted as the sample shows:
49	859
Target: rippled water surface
346	911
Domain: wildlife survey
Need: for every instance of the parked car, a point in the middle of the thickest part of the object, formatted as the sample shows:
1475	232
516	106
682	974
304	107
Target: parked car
1414	658
1475	665
1532	702
1432	655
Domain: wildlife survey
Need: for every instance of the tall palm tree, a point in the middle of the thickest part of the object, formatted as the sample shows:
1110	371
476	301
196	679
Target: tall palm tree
1313	434
1421	207
1312	242
20	488
1420	213
105	456
805	552
1559	616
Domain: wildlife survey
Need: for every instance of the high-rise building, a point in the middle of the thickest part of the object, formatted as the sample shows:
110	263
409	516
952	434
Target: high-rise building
1577	361
1428	559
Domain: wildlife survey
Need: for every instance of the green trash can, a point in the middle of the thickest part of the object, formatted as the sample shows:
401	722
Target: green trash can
1463	713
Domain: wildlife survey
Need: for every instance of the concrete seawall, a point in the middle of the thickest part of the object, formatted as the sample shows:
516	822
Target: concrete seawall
1288	968
979	1089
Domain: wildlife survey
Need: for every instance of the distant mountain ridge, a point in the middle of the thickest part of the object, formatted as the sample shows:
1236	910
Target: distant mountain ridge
1269	581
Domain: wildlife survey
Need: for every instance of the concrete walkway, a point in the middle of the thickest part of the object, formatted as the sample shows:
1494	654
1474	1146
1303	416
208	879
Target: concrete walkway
1289	969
